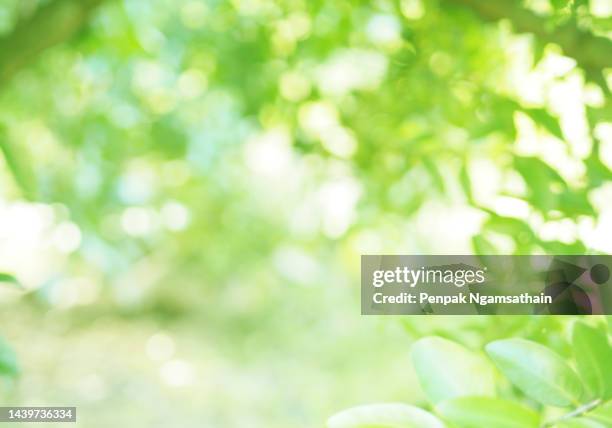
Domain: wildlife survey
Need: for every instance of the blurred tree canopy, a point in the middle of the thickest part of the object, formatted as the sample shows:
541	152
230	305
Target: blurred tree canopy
190	135
203	132
224	163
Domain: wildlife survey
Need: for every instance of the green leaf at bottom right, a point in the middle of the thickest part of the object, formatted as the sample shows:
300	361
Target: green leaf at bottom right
477	412
538	371
593	355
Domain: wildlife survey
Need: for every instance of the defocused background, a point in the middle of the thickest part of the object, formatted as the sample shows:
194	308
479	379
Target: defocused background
187	186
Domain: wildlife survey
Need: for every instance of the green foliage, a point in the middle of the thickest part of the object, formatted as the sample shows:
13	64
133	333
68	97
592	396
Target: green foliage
546	120
385	416
452	379
539	372
603	414
580	423
190	93
8	360
9	279
14	163
442	378
477	412
220	165
593	356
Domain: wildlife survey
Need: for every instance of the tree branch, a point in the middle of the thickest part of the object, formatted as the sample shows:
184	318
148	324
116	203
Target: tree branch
50	25
592	53
575	413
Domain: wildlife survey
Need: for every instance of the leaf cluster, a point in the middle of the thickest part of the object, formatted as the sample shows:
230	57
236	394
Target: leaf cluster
514	383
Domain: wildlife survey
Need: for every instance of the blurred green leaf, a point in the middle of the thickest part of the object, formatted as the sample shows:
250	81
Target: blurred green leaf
602	414
580	423
20	173
544	183
434	173
477	412
597	172
8	360
516	229
574	203
538	48
538	371
559	4
9	279
384	416
603	23
557	247
466	182
545	119
593	355
443	377
482	246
